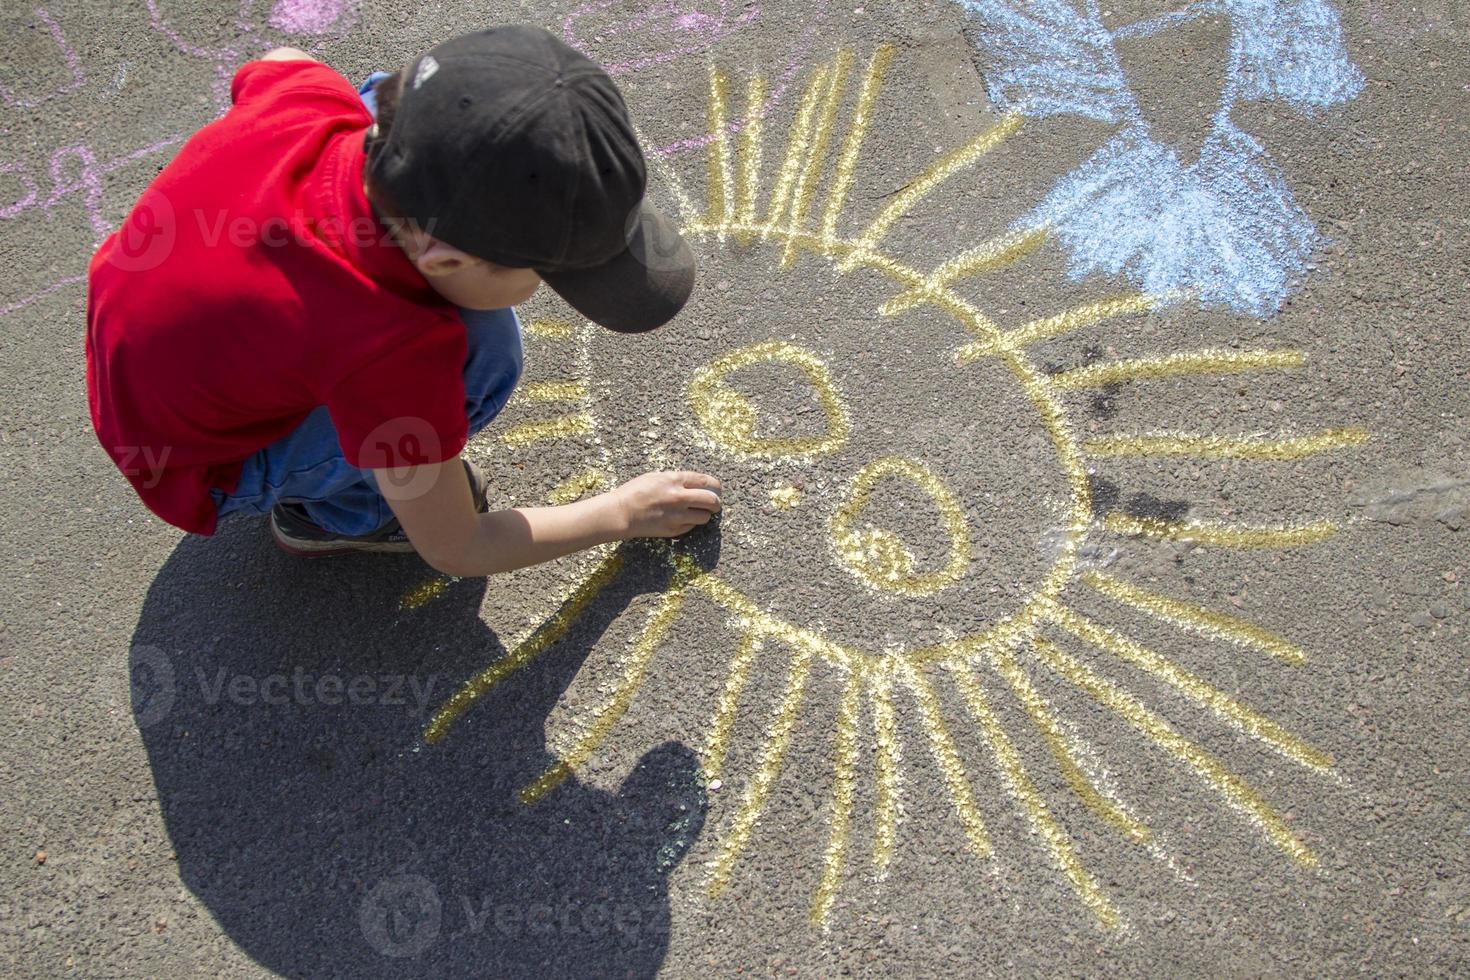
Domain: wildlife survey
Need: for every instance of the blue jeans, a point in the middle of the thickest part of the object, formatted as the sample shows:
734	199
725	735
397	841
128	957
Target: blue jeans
307	467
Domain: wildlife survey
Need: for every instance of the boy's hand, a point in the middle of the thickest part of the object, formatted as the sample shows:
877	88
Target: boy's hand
434	505
665	505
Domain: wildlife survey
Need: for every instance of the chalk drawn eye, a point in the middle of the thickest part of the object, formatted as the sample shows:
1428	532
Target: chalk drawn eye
733	422
880	558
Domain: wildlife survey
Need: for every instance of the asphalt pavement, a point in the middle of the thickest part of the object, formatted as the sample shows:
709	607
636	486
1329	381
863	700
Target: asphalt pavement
1089	385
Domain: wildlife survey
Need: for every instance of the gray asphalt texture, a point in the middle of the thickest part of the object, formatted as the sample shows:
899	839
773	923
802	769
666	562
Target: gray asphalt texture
183	794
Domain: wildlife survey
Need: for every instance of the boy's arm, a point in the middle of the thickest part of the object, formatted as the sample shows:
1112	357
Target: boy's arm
434	505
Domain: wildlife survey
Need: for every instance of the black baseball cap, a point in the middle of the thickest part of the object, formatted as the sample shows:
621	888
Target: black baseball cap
513	147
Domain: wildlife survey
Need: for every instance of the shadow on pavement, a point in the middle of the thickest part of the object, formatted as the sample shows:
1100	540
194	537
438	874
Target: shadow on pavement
281	703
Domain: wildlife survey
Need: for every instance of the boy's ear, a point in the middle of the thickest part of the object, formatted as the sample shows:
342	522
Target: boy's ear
441	259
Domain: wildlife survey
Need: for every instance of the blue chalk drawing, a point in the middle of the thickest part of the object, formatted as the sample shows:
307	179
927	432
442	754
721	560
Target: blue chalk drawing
1224	230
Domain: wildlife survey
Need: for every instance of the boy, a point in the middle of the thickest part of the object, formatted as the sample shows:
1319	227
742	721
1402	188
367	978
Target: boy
308	312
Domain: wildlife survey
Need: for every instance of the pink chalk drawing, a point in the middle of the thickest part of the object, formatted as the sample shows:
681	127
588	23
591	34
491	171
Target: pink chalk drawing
27	197
323	19
314	17
671	30
69	59
679	31
56	286
72	170
87	179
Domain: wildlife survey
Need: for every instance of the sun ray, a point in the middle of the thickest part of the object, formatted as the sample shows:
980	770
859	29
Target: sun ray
886	758
1054	326
611	712
924	184
844	775
1025	792
553	391
425	592
1196	619
578	485
1235	790
756	618
1222	535
670	179
948	758
549	328
806	186
713	757
966	313
988	256
796	148
778	738
1225	447
528	649
525	434
1192	687
1205	362
1058	743
720	183
748	173
862	116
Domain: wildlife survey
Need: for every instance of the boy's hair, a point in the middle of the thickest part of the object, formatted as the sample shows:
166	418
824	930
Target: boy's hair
386	91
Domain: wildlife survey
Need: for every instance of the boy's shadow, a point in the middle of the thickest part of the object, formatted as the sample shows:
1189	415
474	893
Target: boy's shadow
281	703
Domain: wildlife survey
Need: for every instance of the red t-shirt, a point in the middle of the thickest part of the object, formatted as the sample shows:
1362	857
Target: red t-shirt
252	283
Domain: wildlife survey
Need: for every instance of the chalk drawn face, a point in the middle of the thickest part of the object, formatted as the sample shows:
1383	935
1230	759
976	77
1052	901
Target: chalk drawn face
847	445
917	516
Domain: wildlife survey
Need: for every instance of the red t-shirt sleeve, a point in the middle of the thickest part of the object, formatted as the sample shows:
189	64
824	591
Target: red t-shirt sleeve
281	80
407	406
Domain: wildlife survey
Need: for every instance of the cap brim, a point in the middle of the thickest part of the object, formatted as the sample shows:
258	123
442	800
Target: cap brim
642	287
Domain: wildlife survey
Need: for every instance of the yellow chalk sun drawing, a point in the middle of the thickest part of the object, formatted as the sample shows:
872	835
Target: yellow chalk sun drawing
801	216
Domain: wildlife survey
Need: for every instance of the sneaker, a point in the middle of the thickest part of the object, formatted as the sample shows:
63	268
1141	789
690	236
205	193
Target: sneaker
296	534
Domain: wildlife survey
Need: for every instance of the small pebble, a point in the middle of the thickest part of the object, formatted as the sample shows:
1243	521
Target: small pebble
40	857
714	786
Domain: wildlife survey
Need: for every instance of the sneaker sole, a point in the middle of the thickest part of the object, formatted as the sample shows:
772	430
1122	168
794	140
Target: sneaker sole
325	549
